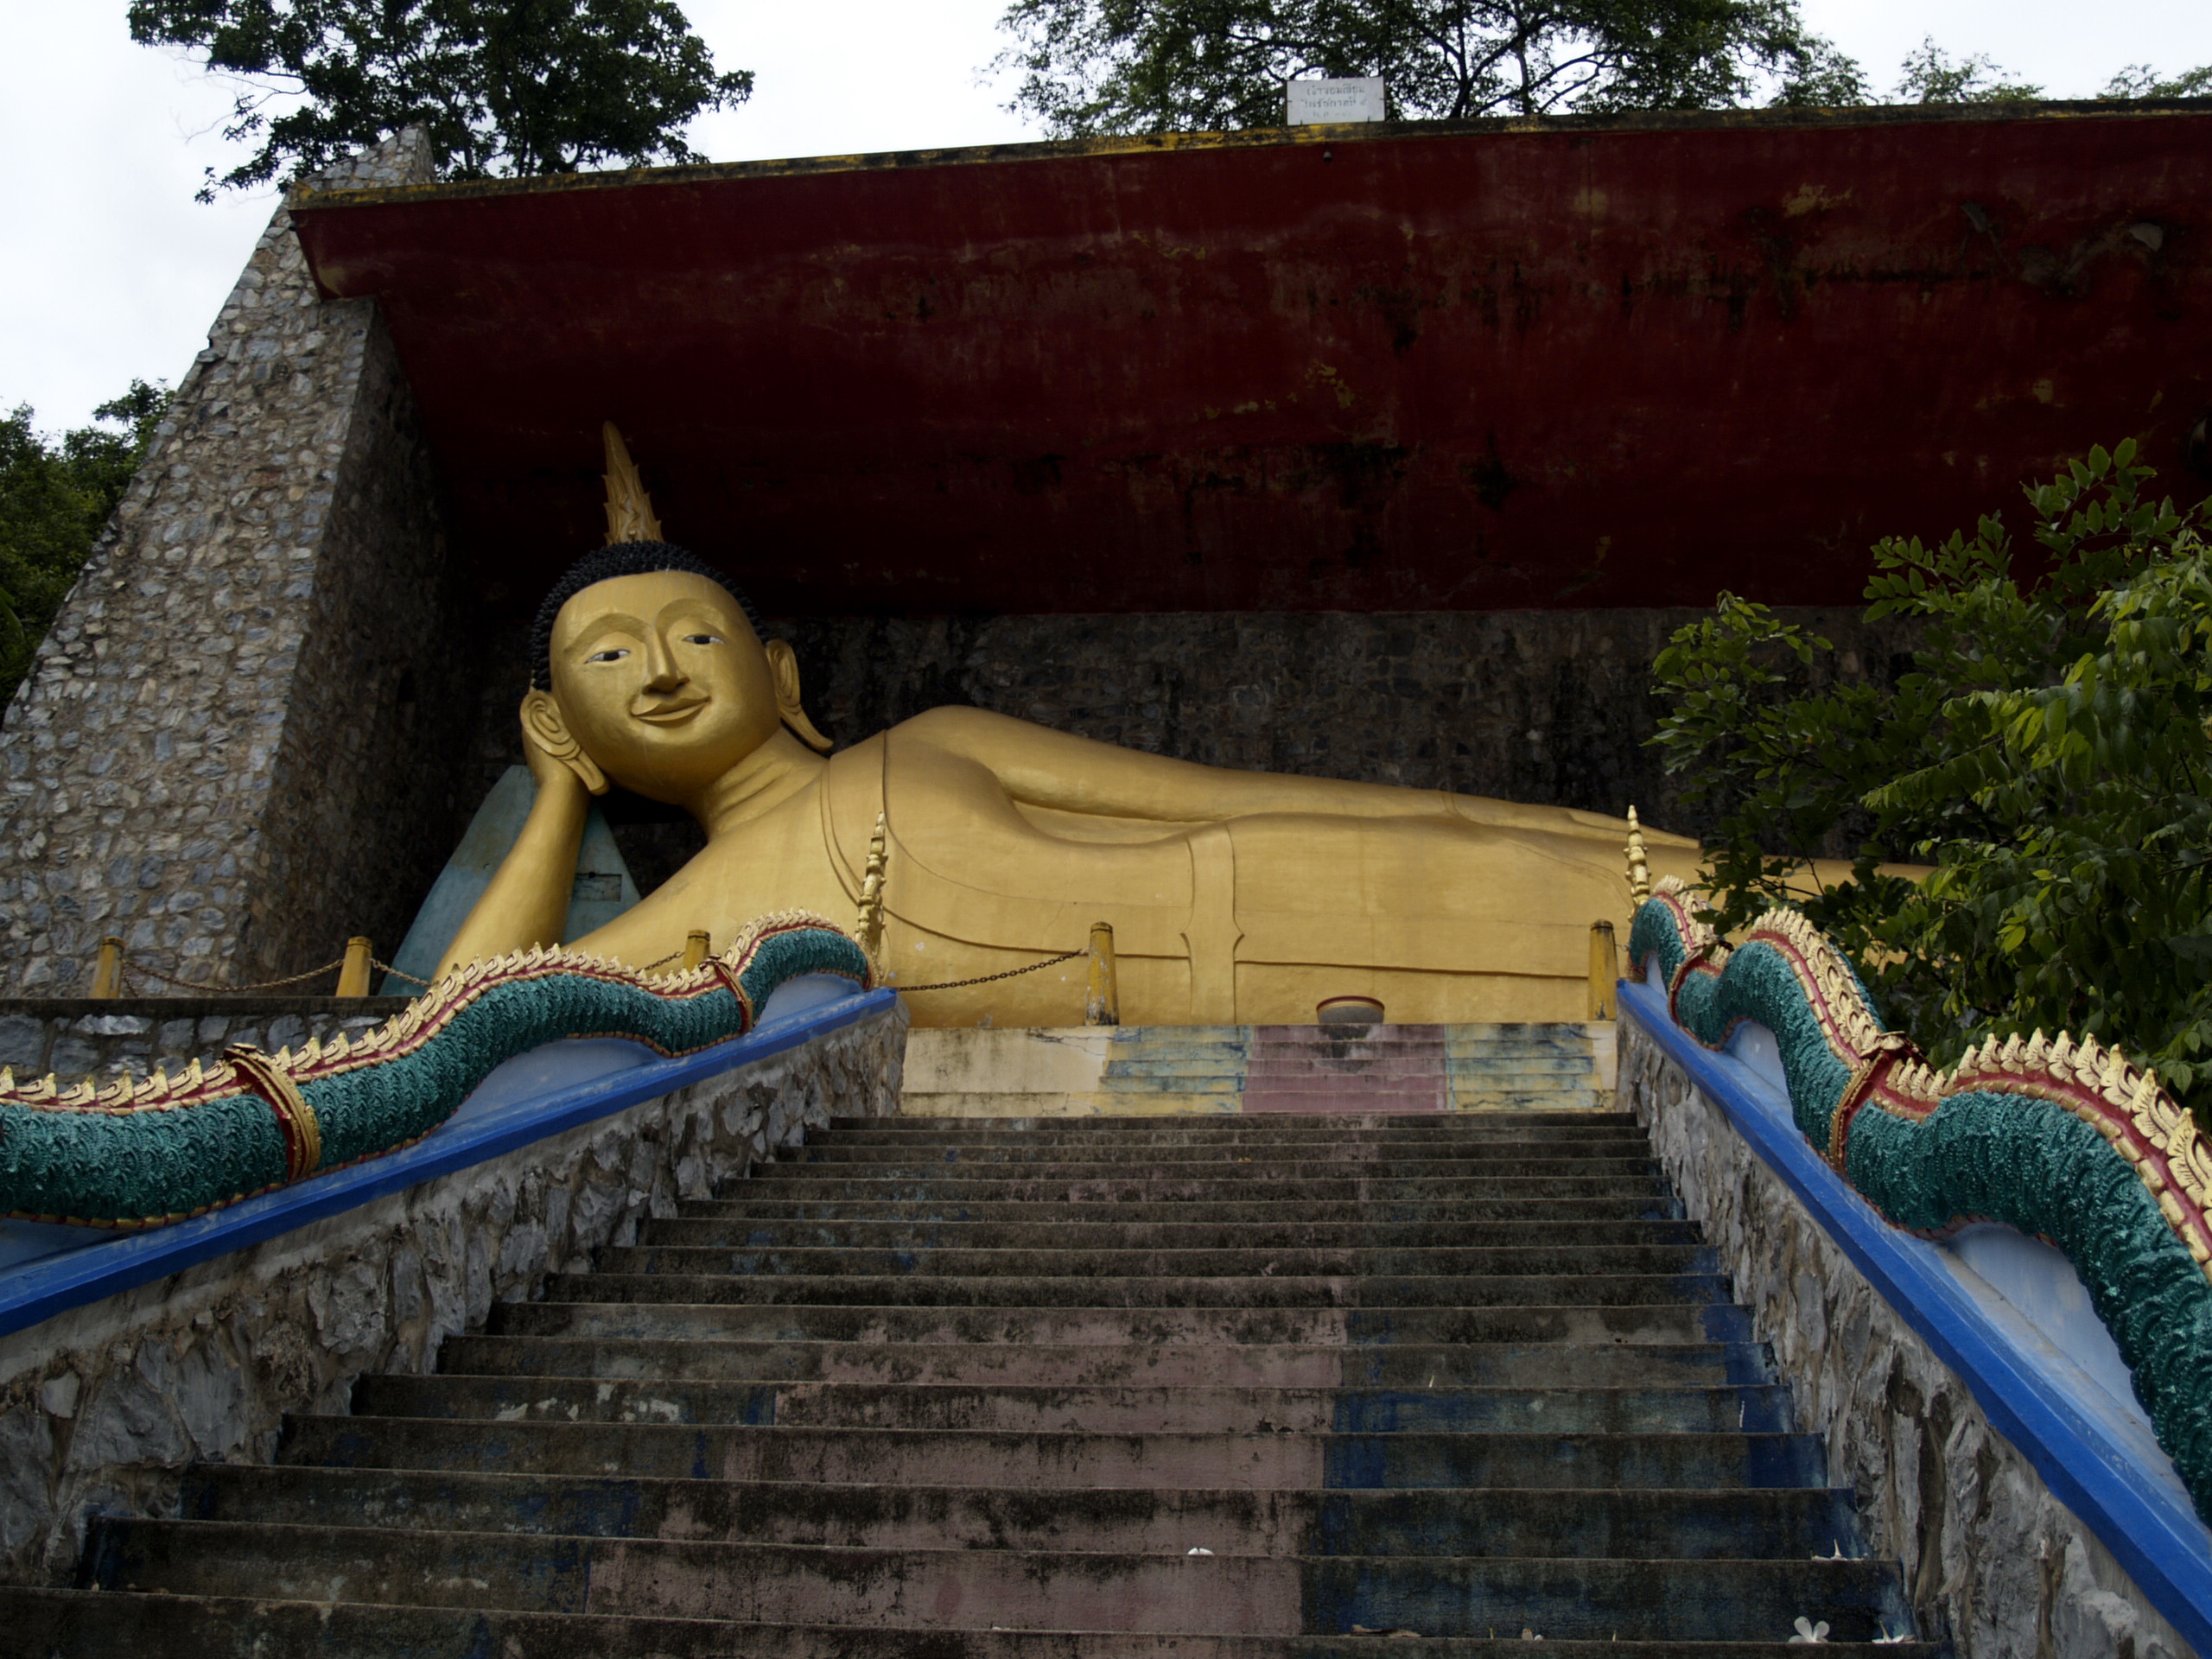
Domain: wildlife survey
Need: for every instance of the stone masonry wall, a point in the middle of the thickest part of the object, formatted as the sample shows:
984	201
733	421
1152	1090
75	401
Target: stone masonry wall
78	1037
103	1407
1991	1560
236	747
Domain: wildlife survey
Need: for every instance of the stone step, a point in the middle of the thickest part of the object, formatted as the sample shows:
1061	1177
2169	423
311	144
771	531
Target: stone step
1043	1234
1011	1264
1472	1152
1061	1106
1474	1096
1057	1459
1101	1365
1413	1090
1656	1524
1217	1105
1036	1589
1250	1291
1643	1202
1538	1067
1675	1323
64	1624
1219	1132
786	1182
1004	1404
1503	1163
1105	1126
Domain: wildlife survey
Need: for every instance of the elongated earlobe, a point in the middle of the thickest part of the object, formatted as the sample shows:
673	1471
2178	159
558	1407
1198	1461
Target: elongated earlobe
782	664
543	725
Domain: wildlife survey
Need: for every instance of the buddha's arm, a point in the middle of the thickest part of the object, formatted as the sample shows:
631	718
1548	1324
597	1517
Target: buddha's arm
527	902
1042	767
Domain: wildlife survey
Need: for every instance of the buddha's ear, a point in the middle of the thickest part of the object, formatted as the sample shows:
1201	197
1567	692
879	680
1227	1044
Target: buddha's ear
782	664
545	728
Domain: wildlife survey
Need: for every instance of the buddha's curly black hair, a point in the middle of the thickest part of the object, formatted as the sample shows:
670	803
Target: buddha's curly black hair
604	565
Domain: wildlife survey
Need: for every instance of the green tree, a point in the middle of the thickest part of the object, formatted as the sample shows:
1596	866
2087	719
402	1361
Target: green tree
2141	80
1092	67
1930	75
2048	754
54	498
502	87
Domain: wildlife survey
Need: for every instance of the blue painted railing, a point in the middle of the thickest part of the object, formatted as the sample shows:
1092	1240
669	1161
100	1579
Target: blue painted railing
2139	1511
77	1272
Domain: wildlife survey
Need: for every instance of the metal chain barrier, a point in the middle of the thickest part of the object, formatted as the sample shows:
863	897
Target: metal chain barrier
131	967
985	979
385	967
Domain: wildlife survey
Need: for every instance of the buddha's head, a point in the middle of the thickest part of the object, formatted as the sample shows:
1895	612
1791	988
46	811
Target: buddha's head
650	673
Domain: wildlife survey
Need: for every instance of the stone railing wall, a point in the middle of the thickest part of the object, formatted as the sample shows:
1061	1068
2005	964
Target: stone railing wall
1992	1560
102	1407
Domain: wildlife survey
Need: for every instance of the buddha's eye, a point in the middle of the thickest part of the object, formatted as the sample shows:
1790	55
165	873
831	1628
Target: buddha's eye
702	639
613	655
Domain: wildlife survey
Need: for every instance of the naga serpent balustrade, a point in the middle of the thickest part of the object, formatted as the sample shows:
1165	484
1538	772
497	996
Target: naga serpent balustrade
164	1149
2062	1140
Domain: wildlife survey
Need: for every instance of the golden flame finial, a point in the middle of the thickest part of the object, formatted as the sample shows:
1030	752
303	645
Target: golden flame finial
871	907
629	509
1639	868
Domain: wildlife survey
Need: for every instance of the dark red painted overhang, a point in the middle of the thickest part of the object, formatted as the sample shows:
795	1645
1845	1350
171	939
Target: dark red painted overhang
1376	369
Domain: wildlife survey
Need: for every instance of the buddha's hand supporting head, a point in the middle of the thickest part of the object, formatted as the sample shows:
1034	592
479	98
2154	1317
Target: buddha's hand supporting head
658	683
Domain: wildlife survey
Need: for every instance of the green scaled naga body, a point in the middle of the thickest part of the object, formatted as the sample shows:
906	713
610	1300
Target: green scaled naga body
165	1150
2062	1141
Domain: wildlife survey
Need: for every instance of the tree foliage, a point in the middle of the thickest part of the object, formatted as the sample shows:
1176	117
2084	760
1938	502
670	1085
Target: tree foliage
502	87
2141	80
1931	75
54	498
2049	753
1130	65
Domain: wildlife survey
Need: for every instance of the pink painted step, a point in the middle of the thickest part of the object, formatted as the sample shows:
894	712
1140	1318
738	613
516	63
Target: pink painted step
1305	1069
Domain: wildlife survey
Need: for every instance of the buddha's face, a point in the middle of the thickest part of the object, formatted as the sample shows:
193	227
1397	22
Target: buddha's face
661	681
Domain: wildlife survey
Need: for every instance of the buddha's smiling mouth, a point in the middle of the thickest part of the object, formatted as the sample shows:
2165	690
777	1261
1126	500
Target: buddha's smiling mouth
670	713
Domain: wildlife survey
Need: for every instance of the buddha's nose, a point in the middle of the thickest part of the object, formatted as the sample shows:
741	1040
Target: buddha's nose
662	672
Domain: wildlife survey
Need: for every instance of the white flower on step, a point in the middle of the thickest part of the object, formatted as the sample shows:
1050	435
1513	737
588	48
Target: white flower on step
1808	1631
1195	1550
1888	1641
1838	1556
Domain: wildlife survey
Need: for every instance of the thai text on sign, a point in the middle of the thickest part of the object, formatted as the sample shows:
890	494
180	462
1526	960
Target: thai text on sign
1314	103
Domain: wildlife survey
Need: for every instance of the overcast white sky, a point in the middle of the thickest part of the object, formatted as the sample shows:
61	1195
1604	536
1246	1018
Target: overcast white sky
110	269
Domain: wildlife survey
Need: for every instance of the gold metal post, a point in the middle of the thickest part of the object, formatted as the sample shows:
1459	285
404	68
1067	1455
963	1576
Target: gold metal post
1102	1001
354	976
1603	971
107	972
695	947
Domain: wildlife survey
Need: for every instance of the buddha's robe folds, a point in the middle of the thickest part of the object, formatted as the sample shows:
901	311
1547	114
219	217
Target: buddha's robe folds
1447	908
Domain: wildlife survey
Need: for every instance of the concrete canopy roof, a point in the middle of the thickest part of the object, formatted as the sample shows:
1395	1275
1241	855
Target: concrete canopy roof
1486	365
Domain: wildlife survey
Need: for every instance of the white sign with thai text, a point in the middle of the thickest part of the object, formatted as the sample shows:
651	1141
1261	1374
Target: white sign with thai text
1316	103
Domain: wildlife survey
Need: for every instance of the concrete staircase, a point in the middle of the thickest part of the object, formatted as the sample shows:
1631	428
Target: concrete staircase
1064	1388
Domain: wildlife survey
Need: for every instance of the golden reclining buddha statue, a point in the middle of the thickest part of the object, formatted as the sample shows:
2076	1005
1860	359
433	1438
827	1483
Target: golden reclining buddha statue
1235	898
